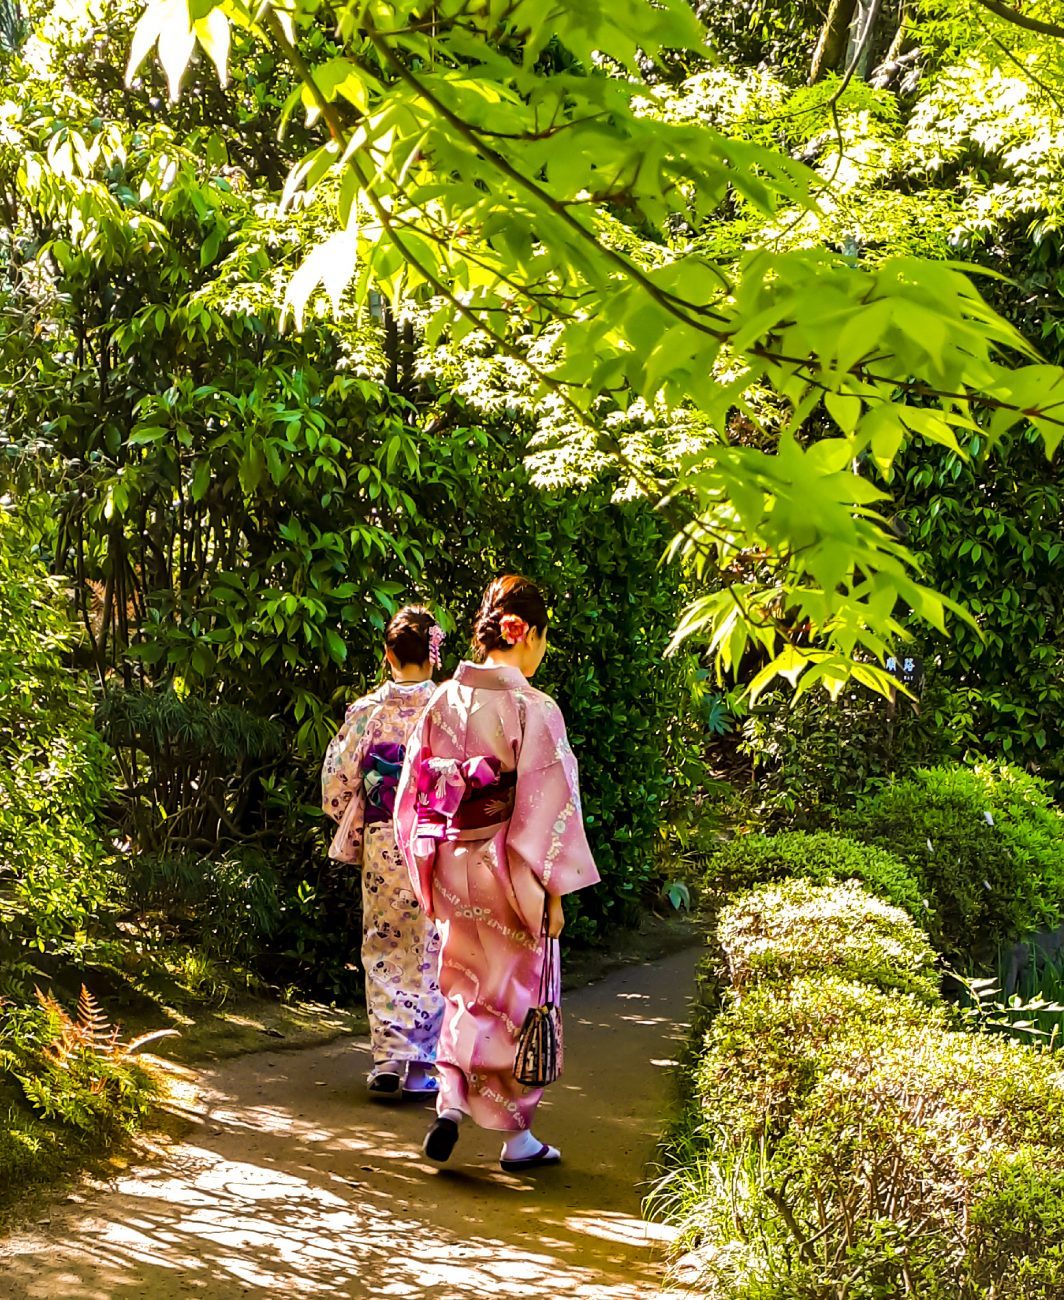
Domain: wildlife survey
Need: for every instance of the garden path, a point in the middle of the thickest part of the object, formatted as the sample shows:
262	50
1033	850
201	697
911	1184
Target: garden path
289	1182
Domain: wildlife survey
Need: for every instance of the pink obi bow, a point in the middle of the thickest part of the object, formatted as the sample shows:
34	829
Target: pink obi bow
444	785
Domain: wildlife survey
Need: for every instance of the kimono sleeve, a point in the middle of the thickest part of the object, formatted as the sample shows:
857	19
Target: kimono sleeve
341	774
546	845
419	852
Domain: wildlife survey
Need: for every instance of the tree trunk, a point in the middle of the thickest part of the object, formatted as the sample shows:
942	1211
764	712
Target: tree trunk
830	52
861	37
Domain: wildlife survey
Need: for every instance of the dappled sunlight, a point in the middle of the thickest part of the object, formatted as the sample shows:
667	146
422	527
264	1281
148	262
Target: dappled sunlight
223	1223
292	1183
622	1228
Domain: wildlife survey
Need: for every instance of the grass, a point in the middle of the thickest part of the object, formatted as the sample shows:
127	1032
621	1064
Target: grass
1039	993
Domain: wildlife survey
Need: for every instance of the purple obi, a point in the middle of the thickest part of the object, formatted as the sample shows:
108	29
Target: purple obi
463	796
382	765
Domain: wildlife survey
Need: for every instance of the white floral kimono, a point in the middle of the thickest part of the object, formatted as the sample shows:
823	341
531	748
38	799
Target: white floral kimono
400	946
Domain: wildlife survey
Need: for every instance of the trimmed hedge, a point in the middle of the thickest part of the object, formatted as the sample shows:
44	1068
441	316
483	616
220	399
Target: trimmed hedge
768	1049
822	857
797	928
846	1141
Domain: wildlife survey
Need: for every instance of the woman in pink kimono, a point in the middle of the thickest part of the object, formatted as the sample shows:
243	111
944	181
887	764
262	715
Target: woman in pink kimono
488	818
400	947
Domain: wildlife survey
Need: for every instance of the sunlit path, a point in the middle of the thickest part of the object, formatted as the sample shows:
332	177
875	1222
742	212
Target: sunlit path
291	1183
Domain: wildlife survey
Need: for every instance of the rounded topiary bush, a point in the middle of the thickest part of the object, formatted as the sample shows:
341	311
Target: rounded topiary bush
822	857
985	843
768	1048
783	931
900	1158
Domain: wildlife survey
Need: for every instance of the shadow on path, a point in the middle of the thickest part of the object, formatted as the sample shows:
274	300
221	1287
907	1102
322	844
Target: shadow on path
292	1183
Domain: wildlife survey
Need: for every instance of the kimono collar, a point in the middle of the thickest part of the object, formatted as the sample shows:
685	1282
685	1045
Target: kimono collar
404	690
485	678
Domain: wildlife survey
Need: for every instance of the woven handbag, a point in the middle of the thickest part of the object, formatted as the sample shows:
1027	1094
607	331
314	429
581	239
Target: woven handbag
538	1060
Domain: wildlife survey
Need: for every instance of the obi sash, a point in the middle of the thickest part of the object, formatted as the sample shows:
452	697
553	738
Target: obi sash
455	796
382	765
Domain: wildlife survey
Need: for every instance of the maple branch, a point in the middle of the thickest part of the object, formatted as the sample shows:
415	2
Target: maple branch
1019	19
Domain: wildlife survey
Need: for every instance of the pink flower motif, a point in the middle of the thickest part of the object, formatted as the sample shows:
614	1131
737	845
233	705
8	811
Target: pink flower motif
513	628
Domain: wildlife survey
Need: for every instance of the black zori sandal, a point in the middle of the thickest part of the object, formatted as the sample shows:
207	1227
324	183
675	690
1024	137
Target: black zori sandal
544	1156
385	1084
440	1140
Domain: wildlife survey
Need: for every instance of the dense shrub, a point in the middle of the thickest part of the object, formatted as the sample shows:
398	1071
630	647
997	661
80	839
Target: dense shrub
812	755
986	845
989	534
229	906
55	887
911	1142
821	857
779	932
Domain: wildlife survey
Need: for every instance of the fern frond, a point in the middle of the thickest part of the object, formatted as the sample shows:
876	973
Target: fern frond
94	1024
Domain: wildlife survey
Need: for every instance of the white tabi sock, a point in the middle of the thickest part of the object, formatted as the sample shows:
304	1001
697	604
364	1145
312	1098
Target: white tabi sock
522	1146
456	1116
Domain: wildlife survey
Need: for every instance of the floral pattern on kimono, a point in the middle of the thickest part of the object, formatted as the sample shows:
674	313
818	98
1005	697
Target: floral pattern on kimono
400	945
486	888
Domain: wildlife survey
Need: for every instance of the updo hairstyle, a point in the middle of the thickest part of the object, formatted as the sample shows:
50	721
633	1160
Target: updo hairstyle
407	635
510	594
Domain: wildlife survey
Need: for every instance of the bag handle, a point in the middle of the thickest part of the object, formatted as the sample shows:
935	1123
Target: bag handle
549	987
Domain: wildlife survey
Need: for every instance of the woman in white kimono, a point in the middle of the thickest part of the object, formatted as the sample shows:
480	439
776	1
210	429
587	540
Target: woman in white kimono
400	947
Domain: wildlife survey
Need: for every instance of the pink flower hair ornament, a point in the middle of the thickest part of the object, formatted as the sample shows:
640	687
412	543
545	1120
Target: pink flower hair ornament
513	628
436	638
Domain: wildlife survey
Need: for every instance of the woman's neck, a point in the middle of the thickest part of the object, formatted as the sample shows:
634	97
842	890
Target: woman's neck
410	673
505	659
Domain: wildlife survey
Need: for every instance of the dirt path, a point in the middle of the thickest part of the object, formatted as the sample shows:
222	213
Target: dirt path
291	1183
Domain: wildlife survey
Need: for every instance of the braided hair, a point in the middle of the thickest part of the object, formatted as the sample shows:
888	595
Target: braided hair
509	594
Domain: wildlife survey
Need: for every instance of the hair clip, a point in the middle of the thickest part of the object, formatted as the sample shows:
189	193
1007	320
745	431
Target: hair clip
436	636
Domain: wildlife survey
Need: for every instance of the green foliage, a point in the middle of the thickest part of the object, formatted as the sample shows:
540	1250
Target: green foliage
813	756
772	1045
449	187
782	931
69	1088
822	859
757	32
986	844
229	907
54	771
238	509
991	535
80	1074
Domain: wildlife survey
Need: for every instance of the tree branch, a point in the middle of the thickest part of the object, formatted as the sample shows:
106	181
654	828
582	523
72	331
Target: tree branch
1018	19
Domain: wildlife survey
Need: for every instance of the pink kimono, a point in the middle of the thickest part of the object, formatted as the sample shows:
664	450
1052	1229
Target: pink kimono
399	944
488	819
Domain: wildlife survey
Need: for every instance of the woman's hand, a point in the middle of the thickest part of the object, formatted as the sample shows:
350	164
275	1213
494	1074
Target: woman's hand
555	917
